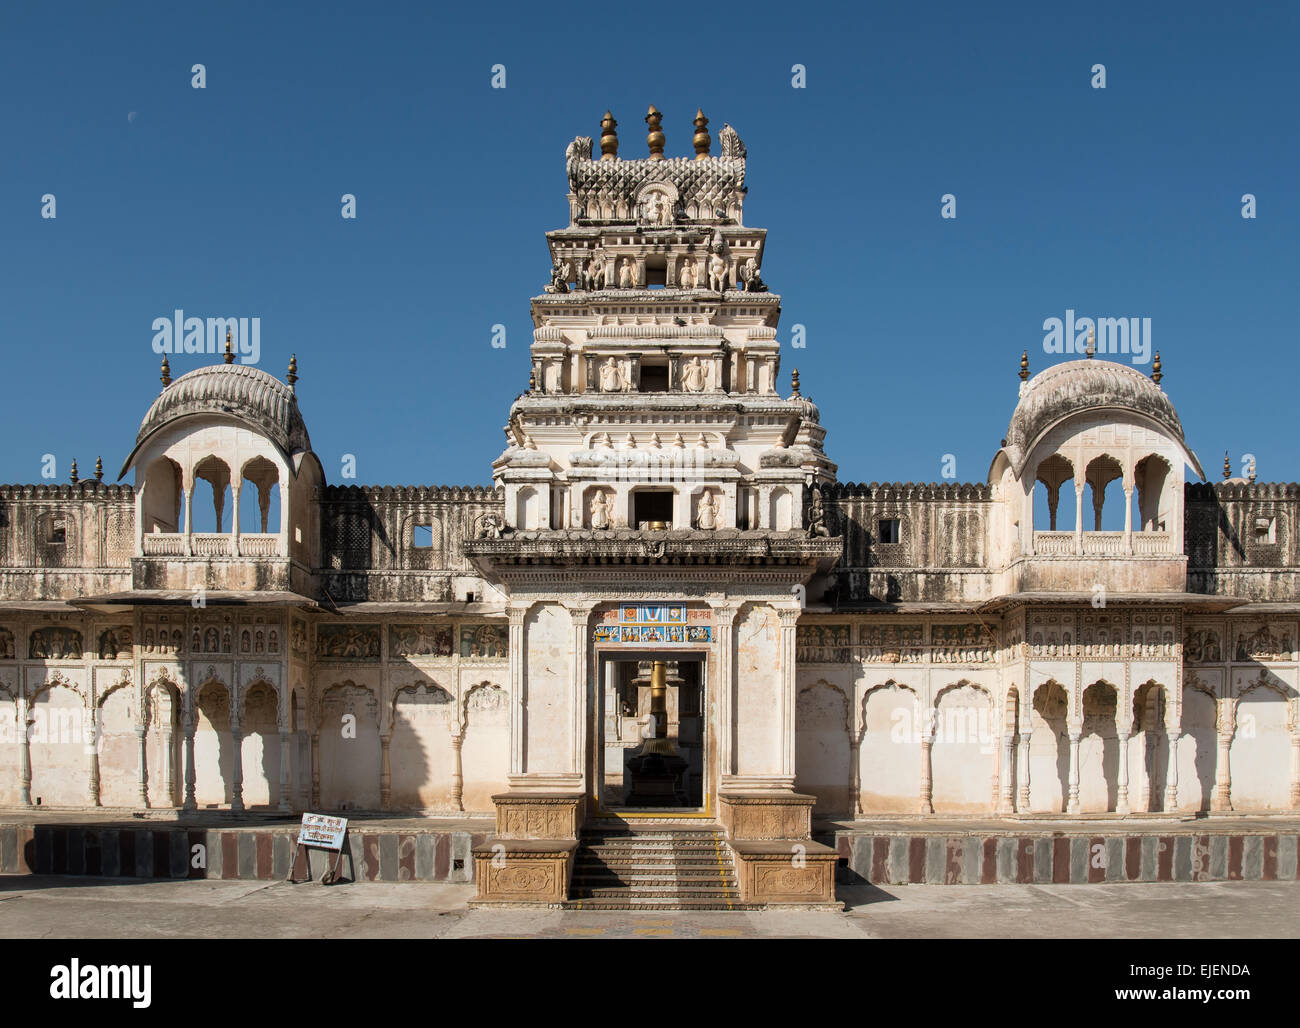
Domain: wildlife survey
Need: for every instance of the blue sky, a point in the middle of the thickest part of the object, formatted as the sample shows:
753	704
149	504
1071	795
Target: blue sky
1117	202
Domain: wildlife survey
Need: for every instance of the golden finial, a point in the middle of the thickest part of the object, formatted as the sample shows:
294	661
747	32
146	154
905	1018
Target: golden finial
292	377
794	381
73	473
655	137
166	378
229	357
608	138
99	469
1227	465
532	381
1156	373
701	139
1024	366
1092	343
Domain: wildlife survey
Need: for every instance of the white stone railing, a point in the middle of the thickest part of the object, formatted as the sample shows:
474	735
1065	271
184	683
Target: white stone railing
258	545
211	545
164	544
1146	544
1054	544
1104	544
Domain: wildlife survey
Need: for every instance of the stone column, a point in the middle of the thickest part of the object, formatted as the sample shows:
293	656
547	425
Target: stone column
283	805
724	617
1227	728
92	755
1078	518
924	805
517	659
24	753
580	618
169	764
1022	767
234	517
315	769
1072	806
457	769
1006	781
385	771
1128	519
189	521
143	795
190	802
1122	805
789	692
1295	771
1171	781
855	774
237	771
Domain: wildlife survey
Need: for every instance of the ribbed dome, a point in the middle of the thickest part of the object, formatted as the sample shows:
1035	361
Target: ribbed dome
260	400
1085	385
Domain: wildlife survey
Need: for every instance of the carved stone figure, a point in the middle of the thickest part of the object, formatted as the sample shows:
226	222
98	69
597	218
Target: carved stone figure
611	378
626	275
595	276
817	516
753	284
489	527
694	376
707	520
600	510
688	276
717	273
561	271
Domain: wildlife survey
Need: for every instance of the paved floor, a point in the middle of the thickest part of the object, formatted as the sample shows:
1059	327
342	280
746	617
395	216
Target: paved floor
55	907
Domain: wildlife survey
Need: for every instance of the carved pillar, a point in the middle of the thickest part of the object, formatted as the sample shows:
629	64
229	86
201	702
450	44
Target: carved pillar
1072	806
92	755
237	771
855	774
189	521
1171	782
1227	728
924	805
1053	500
234	517
24	753
517	658
169	764
190	803
1128	519
1078	518
1006	780
143	795
315	769
789	692
724	617
1022	773
1122	805
579	619
385	771
283	805
1295	771
457	770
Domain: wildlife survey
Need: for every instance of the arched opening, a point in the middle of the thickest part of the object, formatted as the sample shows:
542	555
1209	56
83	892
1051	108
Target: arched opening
212	501
1198	750
1260	755
419	751
961	758
214	746
889	761
485	753
57	745
259	514
822	762
162	742
259	747
1149	747
349	748
119	750
161	499
527	509
1099	750
1054	497
1049	749
1154	508
1105	480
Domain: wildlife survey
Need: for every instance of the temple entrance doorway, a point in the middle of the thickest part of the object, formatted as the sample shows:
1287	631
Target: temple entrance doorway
650	750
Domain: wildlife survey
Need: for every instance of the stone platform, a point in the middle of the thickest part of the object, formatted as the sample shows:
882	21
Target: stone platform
250	846
1042	851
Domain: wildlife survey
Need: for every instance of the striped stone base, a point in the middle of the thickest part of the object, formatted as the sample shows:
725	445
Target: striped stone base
1063	858
233	853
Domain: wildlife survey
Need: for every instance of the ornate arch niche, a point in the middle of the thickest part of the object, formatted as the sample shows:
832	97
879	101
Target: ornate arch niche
889	753
423	716
1149	744
59	713
1260	751
259	724
964	751
824	746
1049	748
1099	748
350	752
1053	472
214	742
118	713
1102	470
485	751
1198	745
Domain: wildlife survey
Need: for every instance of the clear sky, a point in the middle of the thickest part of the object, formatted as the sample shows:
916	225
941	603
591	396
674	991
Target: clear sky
1123	201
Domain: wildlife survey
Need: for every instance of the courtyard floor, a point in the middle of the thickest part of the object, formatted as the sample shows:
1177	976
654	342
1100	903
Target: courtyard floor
116	908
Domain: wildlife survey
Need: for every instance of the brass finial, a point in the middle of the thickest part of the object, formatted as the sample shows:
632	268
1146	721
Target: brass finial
229	357
655	137
701	139
1227	465
72	474
292	377
608	138
99	469
1092	343
1024	366
532	381
794	381
1156	373
166	378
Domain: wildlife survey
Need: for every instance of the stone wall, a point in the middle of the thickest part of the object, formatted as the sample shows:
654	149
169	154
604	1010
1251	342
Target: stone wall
60	541
1242	539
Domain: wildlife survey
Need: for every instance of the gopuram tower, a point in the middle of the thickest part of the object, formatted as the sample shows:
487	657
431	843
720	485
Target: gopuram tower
662	504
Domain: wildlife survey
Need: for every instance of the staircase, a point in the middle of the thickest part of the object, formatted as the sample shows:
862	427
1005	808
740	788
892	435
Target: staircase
669	866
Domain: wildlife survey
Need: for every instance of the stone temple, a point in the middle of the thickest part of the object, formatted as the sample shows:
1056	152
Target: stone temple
668	625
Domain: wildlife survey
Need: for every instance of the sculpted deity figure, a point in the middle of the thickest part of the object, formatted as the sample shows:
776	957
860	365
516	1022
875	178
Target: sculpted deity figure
753	284
600	506
717	273
596	272
686	276
694	376
611	378
626	276
707	520
817	516
561	271
490	526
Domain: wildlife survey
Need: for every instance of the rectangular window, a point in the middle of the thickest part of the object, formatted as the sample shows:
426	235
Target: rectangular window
422	537
889	530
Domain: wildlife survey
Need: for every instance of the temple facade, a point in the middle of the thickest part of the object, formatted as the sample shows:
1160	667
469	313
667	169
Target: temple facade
668	605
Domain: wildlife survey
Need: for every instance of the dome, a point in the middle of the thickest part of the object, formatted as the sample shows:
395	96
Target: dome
249	394
1087	385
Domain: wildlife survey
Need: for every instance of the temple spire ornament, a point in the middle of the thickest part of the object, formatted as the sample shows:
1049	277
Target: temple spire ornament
72	473
701	138
99	469
1156	373
655	136
608	138
292	377
1092	343
229	355
166	377
1024	366
794	382
1227	466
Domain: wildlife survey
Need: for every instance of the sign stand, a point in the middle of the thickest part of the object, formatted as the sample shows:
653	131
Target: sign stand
320	832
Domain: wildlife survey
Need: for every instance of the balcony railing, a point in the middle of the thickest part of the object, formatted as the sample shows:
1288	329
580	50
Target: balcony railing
258	545
1054	544
1103	544
211	545
1146	544
164	544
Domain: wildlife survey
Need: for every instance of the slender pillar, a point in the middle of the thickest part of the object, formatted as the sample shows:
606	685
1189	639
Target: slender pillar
1295	771
1144	794
855	775
169	765
1122	805
237	787
315	769
1128	519
143	796
190	802
1078	518
385	771
789	621
925	804
234	518
1227	728
457	771
284	772
1072	806
189	521
91	743
1171	781
517	658
724	618
1006	778
1022	770
24	753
